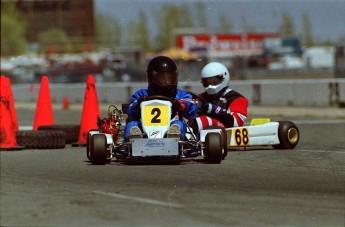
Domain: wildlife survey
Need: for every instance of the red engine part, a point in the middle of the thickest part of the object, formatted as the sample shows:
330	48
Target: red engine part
109	126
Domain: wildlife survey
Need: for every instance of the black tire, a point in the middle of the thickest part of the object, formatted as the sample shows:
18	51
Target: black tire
41	139
88	143
224	140
213	148
72	131
98	151
288	135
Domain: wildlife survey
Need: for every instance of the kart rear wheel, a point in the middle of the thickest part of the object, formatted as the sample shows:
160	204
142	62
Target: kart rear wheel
213	148
98	151
288	135
88	143
224	140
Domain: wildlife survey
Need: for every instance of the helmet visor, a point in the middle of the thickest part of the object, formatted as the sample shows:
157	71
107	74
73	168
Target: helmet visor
215	80
163	79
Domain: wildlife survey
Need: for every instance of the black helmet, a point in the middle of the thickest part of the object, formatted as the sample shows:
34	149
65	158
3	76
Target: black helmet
162	76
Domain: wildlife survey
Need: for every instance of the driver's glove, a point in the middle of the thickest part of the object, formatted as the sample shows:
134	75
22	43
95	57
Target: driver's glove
178	105
211	108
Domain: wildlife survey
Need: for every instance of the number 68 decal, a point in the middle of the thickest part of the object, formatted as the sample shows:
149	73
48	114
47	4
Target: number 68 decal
241	137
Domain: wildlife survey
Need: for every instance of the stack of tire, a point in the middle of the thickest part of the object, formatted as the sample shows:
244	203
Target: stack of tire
48	136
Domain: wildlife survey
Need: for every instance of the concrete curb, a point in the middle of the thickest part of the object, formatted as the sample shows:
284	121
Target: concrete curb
297	112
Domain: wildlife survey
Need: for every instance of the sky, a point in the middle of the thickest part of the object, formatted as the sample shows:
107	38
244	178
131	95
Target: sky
326	16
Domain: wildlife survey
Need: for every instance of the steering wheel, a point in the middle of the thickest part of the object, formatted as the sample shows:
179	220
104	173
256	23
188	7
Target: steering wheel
196	96
160	97
200	99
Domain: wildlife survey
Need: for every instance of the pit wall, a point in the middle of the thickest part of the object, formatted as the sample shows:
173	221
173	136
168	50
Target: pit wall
316	92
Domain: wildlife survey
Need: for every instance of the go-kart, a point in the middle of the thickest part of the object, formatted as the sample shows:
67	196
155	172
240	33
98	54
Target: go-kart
154	144
260	132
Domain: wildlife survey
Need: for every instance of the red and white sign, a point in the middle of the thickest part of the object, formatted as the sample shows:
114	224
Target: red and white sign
225	44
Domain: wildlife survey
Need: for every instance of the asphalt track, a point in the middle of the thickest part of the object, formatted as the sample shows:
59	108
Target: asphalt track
255	187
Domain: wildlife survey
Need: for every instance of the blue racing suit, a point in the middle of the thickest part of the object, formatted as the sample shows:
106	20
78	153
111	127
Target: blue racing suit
134	117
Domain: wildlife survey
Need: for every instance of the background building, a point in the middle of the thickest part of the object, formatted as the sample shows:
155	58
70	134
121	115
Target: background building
75	17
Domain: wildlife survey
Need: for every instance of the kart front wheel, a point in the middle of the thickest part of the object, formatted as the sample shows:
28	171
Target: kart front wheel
88	143
213	148
98	149
288	135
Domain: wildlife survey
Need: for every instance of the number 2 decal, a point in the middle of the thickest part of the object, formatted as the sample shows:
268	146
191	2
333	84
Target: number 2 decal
156	112
241	136
156	115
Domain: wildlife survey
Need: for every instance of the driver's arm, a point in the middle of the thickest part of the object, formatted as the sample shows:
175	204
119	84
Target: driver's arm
191	109
134	108
235	115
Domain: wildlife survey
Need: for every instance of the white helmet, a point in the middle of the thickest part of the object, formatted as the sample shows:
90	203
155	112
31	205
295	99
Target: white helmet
220	77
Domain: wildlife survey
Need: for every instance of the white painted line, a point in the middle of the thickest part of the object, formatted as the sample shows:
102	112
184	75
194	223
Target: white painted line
25	128
323	151
138	199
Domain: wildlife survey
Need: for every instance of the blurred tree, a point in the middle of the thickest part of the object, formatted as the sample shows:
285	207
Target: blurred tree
287	26
247	28
138	33
108	31
184	16
77	43
201	14
13	28
225	25
341	39
54	40
326	42
168	20
307	31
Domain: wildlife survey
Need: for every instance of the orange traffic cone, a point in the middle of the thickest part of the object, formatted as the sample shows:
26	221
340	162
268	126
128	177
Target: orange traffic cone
90	110
8	117
44	109
65	103
32	88
13	109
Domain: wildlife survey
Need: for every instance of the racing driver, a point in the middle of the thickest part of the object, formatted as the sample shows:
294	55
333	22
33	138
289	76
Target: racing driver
224	107
162	78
